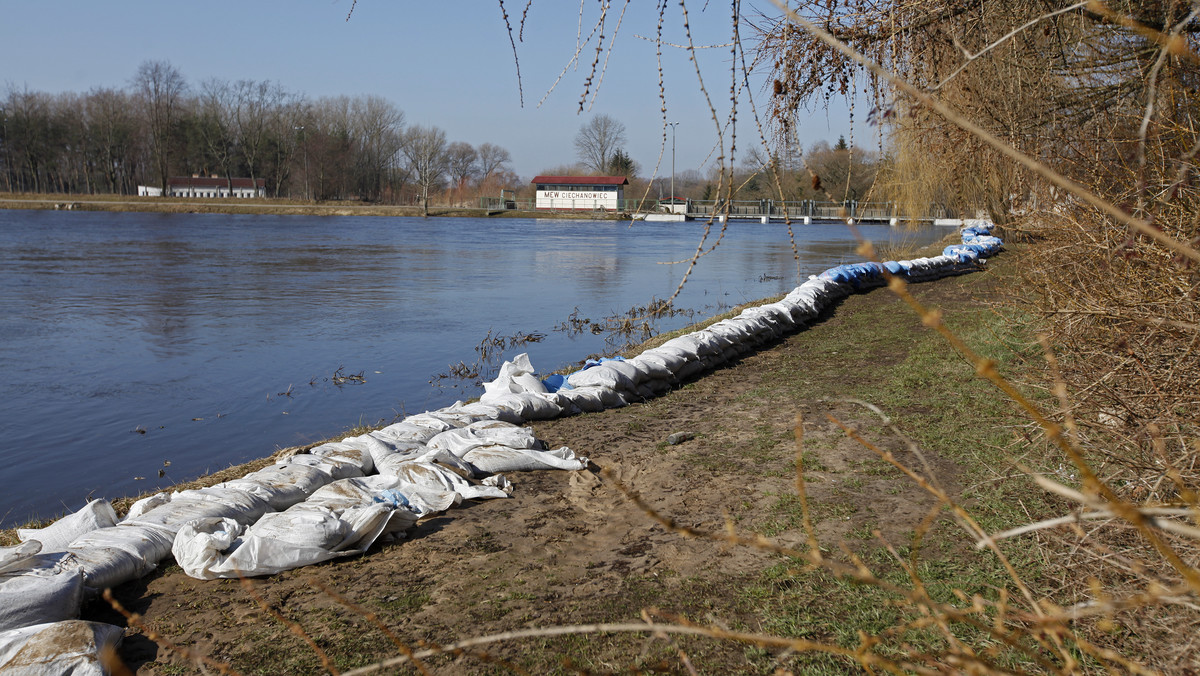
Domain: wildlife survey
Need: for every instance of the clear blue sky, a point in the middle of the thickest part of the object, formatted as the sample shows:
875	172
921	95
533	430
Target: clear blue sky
446	63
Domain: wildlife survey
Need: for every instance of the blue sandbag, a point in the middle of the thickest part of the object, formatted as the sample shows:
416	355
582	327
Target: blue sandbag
556	382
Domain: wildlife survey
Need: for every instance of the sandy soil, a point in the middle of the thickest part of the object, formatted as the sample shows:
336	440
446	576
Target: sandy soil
569	548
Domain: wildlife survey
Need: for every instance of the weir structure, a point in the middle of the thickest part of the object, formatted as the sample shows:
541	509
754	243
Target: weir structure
763	210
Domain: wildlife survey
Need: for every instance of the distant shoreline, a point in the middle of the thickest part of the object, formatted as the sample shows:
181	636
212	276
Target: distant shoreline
274	206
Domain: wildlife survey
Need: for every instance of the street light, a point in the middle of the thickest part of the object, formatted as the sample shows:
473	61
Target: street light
305	143
673	125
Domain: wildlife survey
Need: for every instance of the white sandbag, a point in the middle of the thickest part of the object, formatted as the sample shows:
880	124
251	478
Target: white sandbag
43	590
630	371
337	467
685	346
406	431
497	459
460	441
673	355
146	504
656	364
56	536
303	535
609	397
707	343
377	446
585	399
451	418
69	648
720	336
781	313
492	424
691	369
449	461
658	387
304	526
645	392
352	451
428	501
387	466
515	376
731	330
429	420
432	476
347	493
381	445
484	411
17	557
281	485
112	556
529	405
603	375
243	506
200	544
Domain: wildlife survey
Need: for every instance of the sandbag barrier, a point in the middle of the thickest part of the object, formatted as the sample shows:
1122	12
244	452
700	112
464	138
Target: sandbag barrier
340	498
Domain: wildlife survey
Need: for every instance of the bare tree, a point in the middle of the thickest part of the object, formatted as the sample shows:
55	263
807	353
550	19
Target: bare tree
377	126
112	132
492	159
162	88
217	104
597	142
258	111
462	160
425	148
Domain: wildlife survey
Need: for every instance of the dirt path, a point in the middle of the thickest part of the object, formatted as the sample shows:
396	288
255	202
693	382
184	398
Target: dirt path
569	548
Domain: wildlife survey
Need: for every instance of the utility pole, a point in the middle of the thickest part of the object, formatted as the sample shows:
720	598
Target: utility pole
673	125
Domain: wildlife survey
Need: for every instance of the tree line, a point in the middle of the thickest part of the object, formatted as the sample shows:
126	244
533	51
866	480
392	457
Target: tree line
111	140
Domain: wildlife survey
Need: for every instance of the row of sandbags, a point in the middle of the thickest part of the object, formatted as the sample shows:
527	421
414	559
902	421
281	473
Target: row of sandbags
341	497
610	383
335	500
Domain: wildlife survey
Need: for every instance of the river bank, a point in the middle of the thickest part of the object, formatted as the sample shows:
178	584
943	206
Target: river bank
570	548
277	206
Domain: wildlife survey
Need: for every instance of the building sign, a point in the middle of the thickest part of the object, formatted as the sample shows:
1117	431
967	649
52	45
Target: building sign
580	195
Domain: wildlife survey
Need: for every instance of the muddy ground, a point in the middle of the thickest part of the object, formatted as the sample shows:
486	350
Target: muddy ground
569	548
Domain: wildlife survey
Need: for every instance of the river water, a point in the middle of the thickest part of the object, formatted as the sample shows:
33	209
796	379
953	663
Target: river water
139	345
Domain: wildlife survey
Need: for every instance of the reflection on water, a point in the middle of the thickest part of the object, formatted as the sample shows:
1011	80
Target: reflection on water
132	340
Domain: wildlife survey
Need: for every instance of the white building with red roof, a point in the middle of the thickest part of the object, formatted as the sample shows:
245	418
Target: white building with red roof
585	193
213	186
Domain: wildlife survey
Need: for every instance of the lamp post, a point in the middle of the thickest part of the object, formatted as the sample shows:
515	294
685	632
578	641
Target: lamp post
304	142
673	125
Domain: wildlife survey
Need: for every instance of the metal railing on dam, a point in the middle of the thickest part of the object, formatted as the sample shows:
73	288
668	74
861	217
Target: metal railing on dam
760	210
